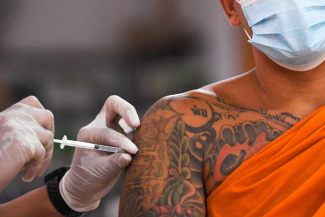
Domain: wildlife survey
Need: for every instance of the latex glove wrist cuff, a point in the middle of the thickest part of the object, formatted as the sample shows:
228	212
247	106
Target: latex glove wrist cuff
71	201
52	182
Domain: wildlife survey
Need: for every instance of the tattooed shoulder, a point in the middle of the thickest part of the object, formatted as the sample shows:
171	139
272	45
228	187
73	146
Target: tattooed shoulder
238	133
165	176
188	144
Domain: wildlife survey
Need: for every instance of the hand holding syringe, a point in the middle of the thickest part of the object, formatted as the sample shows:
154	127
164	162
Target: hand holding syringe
86	145
93	173
92	146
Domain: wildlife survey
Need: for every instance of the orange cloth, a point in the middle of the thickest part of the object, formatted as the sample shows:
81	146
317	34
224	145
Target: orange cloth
285	178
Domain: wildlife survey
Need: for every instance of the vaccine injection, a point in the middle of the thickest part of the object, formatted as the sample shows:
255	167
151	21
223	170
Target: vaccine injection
87	145
126	128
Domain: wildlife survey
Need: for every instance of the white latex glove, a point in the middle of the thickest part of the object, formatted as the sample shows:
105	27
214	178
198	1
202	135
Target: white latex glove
26	140
93	173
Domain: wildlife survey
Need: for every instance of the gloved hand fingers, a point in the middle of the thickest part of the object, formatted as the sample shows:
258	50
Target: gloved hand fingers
32	101
93	172
101	168
107	136
115	105
43	117
47	159
46	138
36	161
106	169
119	161
110	116
32	106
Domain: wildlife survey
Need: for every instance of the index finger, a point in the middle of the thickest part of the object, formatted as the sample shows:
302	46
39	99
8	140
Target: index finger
32	101
44	117
115	105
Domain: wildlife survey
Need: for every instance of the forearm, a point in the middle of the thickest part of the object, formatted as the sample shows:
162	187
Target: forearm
34	203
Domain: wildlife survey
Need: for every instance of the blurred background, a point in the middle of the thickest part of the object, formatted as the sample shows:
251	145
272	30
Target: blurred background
73	54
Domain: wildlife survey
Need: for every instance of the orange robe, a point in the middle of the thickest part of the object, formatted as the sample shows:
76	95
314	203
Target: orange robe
285	178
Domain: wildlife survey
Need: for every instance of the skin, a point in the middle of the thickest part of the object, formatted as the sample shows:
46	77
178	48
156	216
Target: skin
189	143
27	205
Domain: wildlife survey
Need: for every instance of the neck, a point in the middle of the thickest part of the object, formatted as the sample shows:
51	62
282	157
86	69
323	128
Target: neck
304	91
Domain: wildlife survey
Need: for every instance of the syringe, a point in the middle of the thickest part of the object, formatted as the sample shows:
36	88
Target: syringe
87	145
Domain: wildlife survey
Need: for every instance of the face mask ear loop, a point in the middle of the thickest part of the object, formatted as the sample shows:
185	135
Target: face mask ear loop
247	35
238	1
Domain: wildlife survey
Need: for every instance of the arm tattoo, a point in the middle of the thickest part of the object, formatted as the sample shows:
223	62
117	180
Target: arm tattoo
162	180
187	147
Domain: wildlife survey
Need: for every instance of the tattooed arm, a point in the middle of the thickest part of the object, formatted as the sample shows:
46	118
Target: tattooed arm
165	177
188	144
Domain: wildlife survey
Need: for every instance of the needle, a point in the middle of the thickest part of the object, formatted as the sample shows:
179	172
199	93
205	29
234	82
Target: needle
87	145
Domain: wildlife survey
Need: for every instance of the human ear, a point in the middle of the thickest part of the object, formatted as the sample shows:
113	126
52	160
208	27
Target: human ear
231	12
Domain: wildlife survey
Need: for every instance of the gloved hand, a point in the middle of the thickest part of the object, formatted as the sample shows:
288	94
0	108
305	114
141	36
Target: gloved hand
93	173
26	140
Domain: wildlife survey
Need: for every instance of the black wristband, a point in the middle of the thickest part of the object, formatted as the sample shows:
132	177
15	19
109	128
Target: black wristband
52	182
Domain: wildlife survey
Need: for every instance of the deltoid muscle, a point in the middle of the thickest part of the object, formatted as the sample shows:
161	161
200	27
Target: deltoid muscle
164	183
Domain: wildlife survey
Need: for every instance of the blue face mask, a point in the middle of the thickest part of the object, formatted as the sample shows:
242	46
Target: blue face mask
290	32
